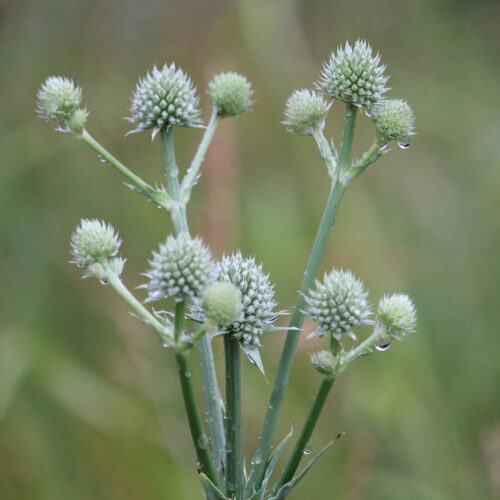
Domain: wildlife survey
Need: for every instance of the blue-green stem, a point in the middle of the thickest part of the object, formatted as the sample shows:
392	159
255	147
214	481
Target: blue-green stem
370	156
234	464
211	391
281	381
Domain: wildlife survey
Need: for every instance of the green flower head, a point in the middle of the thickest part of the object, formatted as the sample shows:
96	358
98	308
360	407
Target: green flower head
394	121
231	94
305	111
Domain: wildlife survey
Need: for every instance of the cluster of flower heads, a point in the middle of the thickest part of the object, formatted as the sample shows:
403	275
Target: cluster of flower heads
354	75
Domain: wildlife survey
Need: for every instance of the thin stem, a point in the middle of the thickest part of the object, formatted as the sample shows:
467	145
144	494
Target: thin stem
281	381
328	154
211	391
233	416
178	210
365	347
142	186
192	173
371	155
306	432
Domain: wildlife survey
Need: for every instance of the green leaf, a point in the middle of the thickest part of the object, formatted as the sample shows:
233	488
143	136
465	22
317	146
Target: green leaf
213	493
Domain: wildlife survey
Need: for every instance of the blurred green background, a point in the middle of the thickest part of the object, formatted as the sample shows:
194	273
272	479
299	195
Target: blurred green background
89	404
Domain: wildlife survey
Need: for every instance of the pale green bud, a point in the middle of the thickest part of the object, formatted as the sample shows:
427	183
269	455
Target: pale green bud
58	101
338	304
394	121
181	268
324	362
354	75
93	242
165	97
222	303
230	93
305	111
396	313
77	122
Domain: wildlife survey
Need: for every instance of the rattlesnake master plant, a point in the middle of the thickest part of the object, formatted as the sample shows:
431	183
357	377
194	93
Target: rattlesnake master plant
233	298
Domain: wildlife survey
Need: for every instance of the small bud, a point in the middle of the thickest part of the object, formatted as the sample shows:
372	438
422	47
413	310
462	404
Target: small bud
394	121
181	268
396	313
354	75
305	111
58	101
165	97
338	305
230	93
324	362
77	122
222	303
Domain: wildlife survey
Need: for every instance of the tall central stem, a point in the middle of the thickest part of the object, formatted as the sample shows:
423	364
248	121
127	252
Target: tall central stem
233	416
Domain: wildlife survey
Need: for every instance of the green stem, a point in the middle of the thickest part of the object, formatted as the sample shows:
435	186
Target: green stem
234	465
365	347
211	391
193	171
327	151
142	186
306	432
281	381
370	156
178	210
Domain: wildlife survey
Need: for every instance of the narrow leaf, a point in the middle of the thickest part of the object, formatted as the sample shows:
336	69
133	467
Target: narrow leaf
213	493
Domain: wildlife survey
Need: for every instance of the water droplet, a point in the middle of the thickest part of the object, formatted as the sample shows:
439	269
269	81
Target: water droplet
383	147
383	347
103	281
308	449
368	114
257	459
203	441
165	343
404	145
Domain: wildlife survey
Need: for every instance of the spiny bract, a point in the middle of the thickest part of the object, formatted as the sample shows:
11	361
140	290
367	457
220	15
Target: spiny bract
222	303
354	75
231	93
394	121
93	241
58	100
338	304
305	111
165	97
397	314
181	268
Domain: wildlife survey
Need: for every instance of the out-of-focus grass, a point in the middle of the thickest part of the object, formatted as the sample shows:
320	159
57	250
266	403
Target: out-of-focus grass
89	404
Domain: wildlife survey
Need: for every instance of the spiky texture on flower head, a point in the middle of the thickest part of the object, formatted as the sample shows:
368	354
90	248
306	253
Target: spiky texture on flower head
394	121
180	268
354	75
305	111
165	97
58	101
338	304
222	303
324	362
396	313
93	244
231	93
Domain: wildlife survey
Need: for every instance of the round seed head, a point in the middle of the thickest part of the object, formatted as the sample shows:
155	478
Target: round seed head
222	303
57	101
397	314
165	97
93	242
180	268
305	111
324	362
338	304
230	93
354	75
394	121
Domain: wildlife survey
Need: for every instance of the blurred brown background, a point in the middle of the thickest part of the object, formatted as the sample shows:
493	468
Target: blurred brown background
89	404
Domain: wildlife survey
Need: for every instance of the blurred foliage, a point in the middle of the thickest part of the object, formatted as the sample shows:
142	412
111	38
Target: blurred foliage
89	403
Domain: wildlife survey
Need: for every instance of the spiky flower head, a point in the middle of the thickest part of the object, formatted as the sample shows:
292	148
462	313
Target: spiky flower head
231	93
354	75
305	111
222	303
93	244
394	121
180	268
165	97
396	313
324	362
58	100
338	304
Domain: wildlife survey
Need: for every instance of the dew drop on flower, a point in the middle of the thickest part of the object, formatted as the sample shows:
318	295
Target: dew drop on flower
382	347
404	145
308	449
103	281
